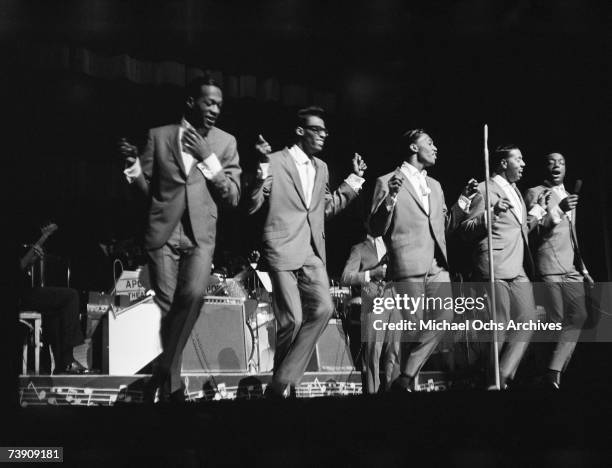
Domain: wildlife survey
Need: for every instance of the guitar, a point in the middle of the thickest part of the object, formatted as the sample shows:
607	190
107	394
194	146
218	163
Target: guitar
31	254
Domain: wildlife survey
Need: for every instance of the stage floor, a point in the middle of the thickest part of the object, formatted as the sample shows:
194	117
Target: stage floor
107	390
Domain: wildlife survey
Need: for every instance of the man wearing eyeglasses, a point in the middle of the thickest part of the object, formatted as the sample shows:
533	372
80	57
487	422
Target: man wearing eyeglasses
409	212
293	188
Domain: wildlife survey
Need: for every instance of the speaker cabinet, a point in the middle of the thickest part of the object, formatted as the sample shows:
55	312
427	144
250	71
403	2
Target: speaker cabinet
220	341
332	353
130	337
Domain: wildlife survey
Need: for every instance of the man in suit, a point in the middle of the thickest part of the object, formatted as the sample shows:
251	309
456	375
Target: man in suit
186	171
409	212
559	264
365	271
513	264
292	188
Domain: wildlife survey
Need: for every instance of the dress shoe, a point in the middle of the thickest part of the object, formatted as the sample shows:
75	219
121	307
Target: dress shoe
275	391
504	384
547	381
403	384
149	391
178	396
74	368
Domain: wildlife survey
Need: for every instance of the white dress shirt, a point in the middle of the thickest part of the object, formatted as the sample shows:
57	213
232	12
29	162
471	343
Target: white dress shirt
558	193
210	167
517	206
511	194
418	181
307	173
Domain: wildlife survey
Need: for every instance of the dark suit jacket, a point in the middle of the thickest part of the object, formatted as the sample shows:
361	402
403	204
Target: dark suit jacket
408	230
171	191
511	255
552	243
363	257
289	227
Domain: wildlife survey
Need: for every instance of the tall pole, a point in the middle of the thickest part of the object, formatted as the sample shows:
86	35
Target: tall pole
488	218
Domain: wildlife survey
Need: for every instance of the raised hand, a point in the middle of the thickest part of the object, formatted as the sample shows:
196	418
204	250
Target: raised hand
127	151
378	273
195	144
395	183
502	205
590	282
544	198
470	188
359	165
569	203
263	148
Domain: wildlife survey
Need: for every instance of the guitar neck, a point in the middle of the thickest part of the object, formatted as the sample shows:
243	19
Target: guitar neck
42	239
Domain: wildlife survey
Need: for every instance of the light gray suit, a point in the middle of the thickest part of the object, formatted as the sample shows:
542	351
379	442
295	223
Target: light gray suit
558	263
180	232
512	259
416	245
294	249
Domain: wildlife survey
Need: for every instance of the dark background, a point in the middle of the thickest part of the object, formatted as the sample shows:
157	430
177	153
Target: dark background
536	71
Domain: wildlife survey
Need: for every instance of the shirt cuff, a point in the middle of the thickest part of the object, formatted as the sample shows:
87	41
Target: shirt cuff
355	182
366	276
262	171
537	211
390	202
464	203
133	172
210	167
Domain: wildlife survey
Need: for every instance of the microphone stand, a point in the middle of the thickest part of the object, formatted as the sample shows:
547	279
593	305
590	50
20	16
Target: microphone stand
488	218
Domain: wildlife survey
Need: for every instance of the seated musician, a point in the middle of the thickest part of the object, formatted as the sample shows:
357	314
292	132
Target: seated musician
365	271
59	308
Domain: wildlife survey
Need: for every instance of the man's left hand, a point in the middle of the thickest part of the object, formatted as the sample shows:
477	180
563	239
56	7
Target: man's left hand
589	280
470	188
195	144
359	165
544	198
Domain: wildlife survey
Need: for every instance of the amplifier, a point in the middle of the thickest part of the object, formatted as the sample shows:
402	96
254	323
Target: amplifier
221	340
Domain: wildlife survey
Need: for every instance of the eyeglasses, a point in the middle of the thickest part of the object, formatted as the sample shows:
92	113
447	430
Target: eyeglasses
318	130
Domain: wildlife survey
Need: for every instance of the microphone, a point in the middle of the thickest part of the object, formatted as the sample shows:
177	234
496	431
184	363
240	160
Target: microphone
577	187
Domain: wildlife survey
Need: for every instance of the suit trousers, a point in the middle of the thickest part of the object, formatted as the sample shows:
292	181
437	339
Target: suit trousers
418	345
179	275
565	304
302	307
514	301
378	343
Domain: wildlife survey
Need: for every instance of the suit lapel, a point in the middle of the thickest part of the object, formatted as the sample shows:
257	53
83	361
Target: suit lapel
407	185
174	147
499	191
523	206
293	173
434	203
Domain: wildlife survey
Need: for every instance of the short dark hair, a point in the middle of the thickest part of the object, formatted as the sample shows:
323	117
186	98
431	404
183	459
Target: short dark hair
410	137
502	152
303	114
193	89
